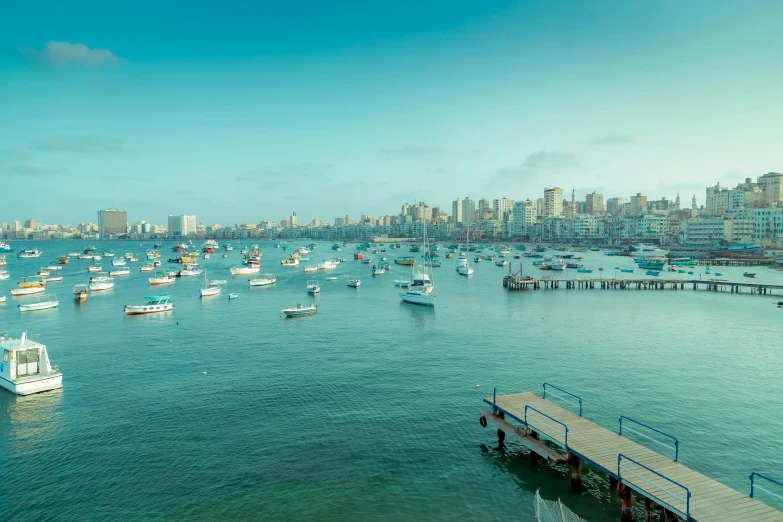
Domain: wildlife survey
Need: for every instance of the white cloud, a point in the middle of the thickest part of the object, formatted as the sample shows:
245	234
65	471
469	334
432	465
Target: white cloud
64	54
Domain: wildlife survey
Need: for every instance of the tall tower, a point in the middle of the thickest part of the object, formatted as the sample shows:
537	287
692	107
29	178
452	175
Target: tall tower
293	219
677	202
573	203
693	203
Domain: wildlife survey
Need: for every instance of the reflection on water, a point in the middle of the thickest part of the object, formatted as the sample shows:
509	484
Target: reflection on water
30	417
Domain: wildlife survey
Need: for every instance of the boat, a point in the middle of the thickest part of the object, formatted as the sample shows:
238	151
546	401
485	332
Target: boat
642	250
309	269
331	278
326	264
749	274
377	270
80	292
179	247
405	260
627	270
681	271
56	278
557	264
653	273
85	256
43	272
43	302
31	282
53	268
225	254
718	274
232	296
5	247
157	245
118	262
107	253
244	270
690	272
4	275
300	311
30	253
147	267
161	279
217	282
26	368
585	270
501	262
302	251
16	292
263	280
154	305
63	260
652	263
190	270
209	289
682	261
101	282
290	262
313	287
420	289
354	282
463	268
119	271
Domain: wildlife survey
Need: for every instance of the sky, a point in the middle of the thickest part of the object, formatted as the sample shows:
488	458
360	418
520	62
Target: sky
246	111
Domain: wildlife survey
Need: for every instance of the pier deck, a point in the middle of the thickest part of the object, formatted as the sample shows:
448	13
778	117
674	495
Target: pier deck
653	475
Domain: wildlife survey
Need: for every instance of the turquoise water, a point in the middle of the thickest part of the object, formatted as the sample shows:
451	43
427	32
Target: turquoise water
368	410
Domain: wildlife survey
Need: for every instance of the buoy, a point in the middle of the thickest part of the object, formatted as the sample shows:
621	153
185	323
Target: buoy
478	385
204	373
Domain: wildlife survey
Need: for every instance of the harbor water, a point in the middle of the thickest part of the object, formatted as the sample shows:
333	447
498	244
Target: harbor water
368	410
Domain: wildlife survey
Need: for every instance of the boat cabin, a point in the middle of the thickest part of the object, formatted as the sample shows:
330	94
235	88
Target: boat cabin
25	367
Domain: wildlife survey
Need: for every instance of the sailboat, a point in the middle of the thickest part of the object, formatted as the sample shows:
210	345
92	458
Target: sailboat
209	288
421	290
462	263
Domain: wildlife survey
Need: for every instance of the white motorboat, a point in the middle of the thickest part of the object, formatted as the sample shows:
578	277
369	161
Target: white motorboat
209	289
53	278
119	271
107	253
101	282
302	251
4	275
5	247
2	299
80	292
244	270
309	269
96	258
26	368
300	310
118	262
313	287
161	279
85	256
354	282
43	302
154	305
190	271
94	268
263	280
290	262
54	268
27	253
147	267
326	264
27	290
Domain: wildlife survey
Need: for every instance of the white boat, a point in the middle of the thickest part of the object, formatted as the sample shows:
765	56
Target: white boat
190	271
96	258
217	282
209	289
161	279
421	290
56	278
263	280
309	269
354	282
302	251
128	255
2	299
119	271
402	282
228	247
206	256
290	262
101	282
26	368
54	268
94	268
501	262
244	270
313	287
3	261
80	292
326	264
147	267
26	253
377	270
232	296
118	262
27	290
154	305
299	311
5	247
4	275
225	254
43	302
463	268
43	273
558	264
640	250
331	278
84	256
107	253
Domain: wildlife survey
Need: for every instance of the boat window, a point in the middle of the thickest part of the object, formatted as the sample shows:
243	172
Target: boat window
5	356
27	362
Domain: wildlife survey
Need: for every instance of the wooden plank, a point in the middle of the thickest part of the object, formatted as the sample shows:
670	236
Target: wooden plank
532	444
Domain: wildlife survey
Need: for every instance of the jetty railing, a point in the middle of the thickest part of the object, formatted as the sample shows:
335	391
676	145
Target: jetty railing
563	433
676	441
753	486
578	398
686	500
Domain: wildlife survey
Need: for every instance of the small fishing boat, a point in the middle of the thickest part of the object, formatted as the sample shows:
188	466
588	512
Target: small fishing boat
4	275
107	253
309	269
225	254
585	270
300	311
217	282
190	271
749	274
681	271
313	287
718	274
53	278
331	278
15	292
244	270
147	267
263	280
377	270
354	282
101	282
29	253
29	370
31	282
43	302
64	260
232	296
326	264
53	268
118	262
290	262
653	273
501	262
119	271
80	292
690	272
627	270
155	304
161	279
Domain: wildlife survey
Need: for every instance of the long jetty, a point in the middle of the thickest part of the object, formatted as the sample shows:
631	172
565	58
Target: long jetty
668	487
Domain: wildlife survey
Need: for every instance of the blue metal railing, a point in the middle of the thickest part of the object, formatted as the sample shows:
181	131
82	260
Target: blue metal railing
752	485
577	397
563	433
656	430
686	500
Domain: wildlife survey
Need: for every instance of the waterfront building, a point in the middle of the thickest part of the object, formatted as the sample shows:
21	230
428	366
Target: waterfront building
553	202
638	204
502	207
771	185
594	204
181	226
292	221
704	232
112	221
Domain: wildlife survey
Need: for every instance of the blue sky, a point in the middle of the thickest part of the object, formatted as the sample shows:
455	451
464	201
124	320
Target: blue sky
241	112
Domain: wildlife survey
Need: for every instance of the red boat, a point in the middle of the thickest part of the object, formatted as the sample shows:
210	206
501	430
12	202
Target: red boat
358	257
208	250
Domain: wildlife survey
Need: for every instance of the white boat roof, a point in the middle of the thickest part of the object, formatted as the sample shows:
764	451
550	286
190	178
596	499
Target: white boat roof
13	341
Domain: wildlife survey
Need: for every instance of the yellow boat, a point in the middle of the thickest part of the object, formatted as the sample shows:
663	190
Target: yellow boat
29	282
407	260
294	256
63	260
449	255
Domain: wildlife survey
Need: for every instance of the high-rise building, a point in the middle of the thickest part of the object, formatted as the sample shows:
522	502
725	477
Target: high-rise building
468	211
638	204
525	215
456	211
293	219
112	221
182	226
504	209
484	209
614	206
553	202
594	204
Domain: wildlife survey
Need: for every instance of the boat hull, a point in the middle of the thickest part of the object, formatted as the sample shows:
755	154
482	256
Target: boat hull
206	292
27	291
419	298
264	281
32	307
51	382
148	309
245	270
97	287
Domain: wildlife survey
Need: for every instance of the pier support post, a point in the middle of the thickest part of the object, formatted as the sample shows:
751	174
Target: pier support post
576	472
533	455
648	510
627	505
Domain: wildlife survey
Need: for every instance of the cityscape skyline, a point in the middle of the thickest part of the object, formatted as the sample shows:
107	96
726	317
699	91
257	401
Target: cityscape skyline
484	99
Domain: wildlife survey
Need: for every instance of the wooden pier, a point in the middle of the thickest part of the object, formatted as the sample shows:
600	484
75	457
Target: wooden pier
515	282
668	487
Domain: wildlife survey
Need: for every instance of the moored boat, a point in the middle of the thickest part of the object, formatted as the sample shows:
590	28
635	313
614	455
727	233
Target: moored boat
263	280
300	311
244	270
154	305
27	290
313	287
290	262
43	302
354	282
80	292
119	271
29	253
101	282
749	274
161	279
26	368
209	289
